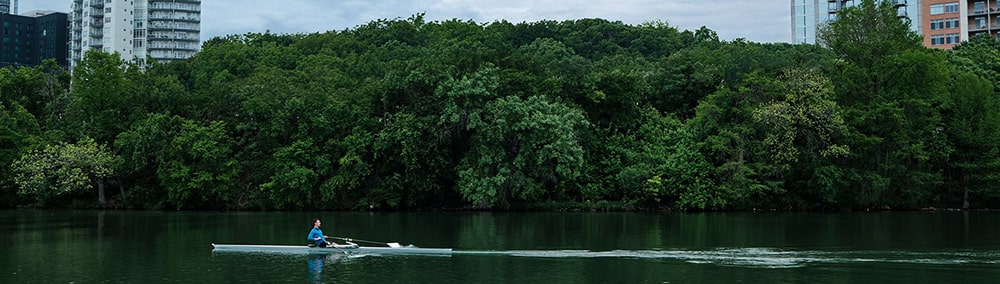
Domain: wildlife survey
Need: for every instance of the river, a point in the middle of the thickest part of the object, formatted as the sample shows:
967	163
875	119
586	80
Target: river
490	247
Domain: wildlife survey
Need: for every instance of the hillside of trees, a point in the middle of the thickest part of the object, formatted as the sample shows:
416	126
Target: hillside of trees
407	114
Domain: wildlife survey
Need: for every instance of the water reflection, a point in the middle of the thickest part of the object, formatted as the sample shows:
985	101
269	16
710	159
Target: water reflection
316	262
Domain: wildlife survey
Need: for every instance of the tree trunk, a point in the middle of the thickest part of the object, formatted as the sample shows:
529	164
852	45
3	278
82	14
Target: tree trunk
121	189
965	199
965	192
100	193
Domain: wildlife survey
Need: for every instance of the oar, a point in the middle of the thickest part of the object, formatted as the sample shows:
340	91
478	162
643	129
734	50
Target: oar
364	241
336	248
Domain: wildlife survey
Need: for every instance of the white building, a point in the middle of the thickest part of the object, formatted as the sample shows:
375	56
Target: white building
8	7
164	30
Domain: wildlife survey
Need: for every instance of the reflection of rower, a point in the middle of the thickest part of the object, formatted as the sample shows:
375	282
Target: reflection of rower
316	268
317	236
316	263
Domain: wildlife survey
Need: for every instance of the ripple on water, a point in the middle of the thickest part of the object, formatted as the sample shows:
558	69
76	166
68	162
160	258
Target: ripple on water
767	257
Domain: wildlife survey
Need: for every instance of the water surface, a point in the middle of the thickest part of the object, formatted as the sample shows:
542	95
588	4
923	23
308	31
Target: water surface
175	247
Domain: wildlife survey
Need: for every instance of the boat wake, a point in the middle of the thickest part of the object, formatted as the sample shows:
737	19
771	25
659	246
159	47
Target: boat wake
768	257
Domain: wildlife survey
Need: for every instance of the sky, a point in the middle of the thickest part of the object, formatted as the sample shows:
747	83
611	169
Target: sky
757	20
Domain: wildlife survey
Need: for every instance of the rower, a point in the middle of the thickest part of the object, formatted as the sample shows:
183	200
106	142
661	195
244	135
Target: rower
317	236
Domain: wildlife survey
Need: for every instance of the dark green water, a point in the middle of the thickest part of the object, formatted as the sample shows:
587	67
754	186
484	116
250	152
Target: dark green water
172	247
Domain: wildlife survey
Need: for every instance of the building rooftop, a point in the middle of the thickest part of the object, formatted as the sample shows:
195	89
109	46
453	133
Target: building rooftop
39	13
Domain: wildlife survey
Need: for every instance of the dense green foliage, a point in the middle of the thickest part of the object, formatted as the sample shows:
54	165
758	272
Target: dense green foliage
408	114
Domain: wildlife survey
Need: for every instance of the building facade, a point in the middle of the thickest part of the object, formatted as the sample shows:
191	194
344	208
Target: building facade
942	23
164	30
8	7
28	40
808	16
950	22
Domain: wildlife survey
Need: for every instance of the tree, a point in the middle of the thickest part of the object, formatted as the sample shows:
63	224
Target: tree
973	129
890	88
866	33
63	169
519	149
102	99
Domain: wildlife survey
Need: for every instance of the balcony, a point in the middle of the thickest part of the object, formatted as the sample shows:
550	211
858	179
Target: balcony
153	49
157	38
165	18
984	11
172	27
974	28
174	7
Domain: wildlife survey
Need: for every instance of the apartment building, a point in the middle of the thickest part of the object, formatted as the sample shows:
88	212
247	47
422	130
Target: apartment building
164	30
952	21
8	7
27	40
943	23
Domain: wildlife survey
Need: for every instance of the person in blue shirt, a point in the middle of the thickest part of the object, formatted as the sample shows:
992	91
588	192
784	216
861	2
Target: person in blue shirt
317	236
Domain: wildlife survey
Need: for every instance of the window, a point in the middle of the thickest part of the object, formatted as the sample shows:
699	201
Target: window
951	7
937	9
937	39
951	23
980	22
979	7
937	24
952	38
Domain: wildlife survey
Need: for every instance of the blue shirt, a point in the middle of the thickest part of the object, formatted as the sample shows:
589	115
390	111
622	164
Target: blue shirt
316	233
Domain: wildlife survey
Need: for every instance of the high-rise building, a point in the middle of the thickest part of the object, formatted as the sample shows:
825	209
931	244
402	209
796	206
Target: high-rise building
28	40
8	7
808	16
164	30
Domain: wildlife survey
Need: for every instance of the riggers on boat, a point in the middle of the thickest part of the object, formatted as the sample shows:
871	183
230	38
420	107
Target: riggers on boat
350	248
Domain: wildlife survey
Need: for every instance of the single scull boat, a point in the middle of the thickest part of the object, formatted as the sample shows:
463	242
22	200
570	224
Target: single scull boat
350	248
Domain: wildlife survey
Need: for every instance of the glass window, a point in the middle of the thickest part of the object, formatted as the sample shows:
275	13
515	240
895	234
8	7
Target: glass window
951	7
937	9
979	7
952	39
937	24
951	23
937	39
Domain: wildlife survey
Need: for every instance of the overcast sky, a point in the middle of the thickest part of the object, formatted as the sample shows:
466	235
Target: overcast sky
757	20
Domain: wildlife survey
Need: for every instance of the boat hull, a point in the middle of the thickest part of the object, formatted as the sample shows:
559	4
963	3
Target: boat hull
330	250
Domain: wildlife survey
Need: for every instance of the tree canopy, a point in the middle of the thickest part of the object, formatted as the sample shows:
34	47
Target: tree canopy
589	113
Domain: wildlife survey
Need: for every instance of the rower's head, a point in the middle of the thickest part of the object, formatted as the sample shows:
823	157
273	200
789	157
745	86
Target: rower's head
316	222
